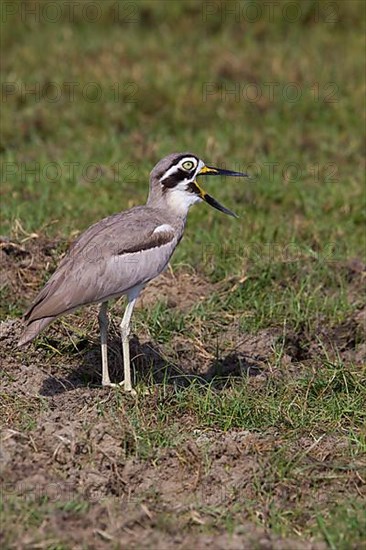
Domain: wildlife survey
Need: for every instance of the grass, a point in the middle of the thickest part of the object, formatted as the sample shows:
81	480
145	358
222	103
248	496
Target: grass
160	79
288	405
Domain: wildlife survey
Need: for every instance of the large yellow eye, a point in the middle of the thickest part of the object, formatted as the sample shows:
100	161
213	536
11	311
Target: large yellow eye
188	165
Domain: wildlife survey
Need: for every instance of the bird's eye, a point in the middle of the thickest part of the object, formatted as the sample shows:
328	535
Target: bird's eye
187	165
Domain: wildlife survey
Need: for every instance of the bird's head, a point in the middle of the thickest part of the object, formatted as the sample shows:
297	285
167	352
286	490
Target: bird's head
174	178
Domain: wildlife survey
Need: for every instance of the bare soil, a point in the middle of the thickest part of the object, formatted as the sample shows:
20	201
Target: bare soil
58	448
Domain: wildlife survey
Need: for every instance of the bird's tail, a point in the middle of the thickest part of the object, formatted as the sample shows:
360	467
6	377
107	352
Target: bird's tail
33	329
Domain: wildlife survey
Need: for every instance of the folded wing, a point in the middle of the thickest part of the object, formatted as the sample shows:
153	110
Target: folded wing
111	257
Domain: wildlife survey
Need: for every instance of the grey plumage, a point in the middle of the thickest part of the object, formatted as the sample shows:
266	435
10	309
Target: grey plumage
99	265
120	254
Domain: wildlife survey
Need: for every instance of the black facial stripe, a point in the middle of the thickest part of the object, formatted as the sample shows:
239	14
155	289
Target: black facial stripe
190	175
173	179
176	178
192	187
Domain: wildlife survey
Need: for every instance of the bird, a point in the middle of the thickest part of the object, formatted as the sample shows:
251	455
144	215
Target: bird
122	253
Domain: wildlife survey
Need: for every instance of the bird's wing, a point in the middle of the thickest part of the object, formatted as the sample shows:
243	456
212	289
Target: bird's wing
109	258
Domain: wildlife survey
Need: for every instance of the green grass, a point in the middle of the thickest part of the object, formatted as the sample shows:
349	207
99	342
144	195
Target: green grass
320	404
345	518
170	109
285	264
37	511
289	405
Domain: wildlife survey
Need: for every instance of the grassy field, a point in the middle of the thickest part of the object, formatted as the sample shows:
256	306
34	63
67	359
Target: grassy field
253	345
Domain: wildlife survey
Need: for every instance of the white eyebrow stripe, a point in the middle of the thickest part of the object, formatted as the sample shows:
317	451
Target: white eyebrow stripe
174	169
164	228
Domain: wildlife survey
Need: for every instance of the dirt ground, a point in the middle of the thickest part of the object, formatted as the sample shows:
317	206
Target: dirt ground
69	445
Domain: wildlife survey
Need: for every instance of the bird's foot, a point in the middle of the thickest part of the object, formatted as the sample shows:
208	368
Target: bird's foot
141	391
109	384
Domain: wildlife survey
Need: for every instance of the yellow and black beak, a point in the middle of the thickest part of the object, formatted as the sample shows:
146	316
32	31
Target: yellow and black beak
211	171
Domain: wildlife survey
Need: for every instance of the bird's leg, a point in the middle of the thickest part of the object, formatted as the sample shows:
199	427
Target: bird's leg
103	327
125	332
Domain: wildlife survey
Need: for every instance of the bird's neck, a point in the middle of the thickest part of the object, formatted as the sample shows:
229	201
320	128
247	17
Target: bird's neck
175	204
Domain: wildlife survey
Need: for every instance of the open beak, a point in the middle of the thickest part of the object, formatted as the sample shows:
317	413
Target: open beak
211	171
